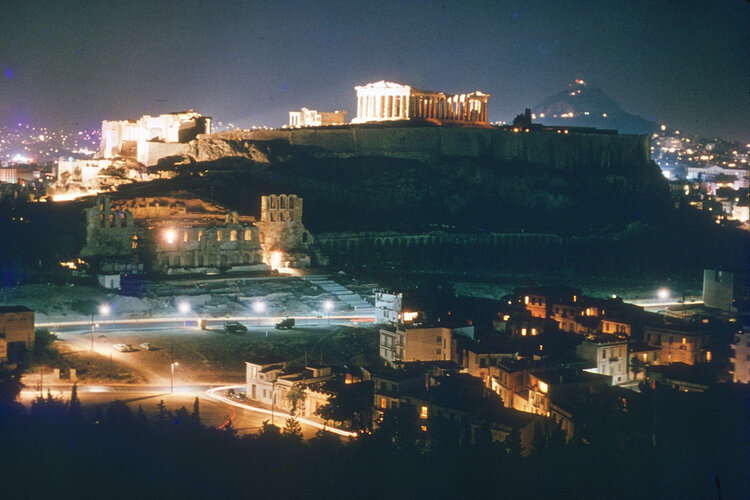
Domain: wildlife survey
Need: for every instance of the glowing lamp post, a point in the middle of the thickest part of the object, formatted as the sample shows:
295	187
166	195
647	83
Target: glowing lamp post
259	307
170	235
184	309
328	306
104	310
171	378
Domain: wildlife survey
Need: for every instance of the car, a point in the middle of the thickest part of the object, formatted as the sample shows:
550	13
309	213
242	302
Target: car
146	346
124	348
234	327
285	324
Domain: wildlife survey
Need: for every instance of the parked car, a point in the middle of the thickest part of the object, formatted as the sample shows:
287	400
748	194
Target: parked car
146	346
285	324
234	327
124	348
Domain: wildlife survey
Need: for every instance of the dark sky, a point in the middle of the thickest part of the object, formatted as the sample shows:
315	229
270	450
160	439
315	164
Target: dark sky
62	62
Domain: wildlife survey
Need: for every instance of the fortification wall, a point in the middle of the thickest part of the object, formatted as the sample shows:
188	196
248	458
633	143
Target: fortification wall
543	147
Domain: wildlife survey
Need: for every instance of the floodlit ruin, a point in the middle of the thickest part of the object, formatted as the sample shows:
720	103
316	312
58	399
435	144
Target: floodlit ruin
389	101
285	240
312	118
152	137
186	235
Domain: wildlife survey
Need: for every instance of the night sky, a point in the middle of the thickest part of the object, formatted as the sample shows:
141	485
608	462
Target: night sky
64	63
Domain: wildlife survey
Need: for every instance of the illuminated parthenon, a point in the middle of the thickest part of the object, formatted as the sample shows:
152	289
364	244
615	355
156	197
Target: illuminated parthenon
386	101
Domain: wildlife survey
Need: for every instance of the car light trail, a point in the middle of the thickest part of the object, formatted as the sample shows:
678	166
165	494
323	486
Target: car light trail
212	393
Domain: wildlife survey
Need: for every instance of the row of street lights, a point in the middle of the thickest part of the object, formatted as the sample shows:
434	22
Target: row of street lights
260	307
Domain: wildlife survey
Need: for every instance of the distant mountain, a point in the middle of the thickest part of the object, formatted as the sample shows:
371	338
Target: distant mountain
583	106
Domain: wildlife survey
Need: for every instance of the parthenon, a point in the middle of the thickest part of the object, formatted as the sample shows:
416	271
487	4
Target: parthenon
388	101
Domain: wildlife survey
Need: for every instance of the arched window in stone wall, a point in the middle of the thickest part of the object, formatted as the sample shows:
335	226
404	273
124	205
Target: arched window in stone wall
272	201
248	235
282	201
218	235
200	235
281	216
200	260
134	242
291	216
233	235
291	202
186	236
273	217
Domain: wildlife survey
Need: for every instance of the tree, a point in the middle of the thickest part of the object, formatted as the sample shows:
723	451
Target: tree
637	366
292	429
268	430
295	395
513	443
75	403
10	383
196	411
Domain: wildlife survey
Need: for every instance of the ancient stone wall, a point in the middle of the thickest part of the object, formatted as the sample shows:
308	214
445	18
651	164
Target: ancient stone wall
221	246
109	232
281	229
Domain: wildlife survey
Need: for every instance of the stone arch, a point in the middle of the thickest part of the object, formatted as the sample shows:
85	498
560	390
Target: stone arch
223	260
282	201
248	235
200	260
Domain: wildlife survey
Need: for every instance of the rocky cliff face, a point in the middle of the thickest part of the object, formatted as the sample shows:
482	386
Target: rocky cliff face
214	148
606	152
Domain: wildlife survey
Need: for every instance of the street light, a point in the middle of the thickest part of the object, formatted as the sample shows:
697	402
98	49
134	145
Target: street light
328	306
259	306
184	308
663	293
171	378
104	310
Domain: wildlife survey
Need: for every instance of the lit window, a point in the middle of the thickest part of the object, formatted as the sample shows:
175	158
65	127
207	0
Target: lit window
218	235
186	236
383	403
523	331
526	300
684	340
424	428
409	316
708	355
200	235
248	235
543	387
533	331
233	235
423	412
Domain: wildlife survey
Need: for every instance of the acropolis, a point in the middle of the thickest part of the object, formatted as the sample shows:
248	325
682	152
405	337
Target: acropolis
389	101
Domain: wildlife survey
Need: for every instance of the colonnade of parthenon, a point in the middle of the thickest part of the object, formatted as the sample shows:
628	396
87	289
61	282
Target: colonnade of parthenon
384	101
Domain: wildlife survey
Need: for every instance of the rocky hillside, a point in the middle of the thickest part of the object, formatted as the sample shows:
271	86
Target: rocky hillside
581	105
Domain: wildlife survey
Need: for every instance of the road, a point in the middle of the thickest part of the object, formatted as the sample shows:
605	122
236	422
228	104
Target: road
214	323
213	411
